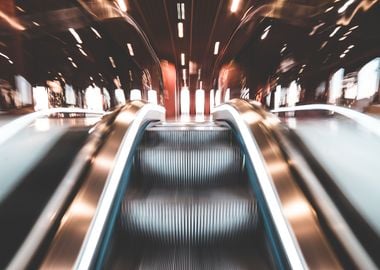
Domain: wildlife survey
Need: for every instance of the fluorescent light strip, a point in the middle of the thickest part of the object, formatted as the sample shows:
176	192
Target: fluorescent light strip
216	48
130	49
335	31
180	30
345	6
182	59
179	11
183	10
75	35
112	62
96	32
122	5
234	5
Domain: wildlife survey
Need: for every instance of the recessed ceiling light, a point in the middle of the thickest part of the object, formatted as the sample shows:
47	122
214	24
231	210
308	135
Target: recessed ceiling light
96	32
75	35
130	49
180	30
216	48
335	31
182	59
122	5
234	5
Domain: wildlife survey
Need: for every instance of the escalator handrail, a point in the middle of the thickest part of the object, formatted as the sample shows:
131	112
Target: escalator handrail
56	203
368	122
248	120
10	129
77	239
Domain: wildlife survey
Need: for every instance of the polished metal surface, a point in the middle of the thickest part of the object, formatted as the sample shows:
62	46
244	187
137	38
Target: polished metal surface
370	123
301	235
329	210
10	129
78	236
190	217
187	157
56	203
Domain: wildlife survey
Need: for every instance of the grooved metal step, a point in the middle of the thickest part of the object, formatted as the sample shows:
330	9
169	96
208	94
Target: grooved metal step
190	216
189	157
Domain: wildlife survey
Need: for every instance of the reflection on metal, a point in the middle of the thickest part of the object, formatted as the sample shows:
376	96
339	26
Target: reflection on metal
49	214
9	130
80	232
301	236
328	208
368	122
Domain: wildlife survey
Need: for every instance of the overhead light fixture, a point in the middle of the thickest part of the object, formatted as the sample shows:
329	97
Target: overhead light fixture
74	65
69	58
351	46
179	16
96	32
180	30
4	55
184	74
345	6
216	48
347	33
122	5
329	9
183	10
354	27
112	61
342	55
75	35
130	49
265	33
342	38
182	59
335	31
35	23
234	5
83	52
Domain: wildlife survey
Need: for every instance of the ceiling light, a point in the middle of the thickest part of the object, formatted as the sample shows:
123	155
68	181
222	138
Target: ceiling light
354	27
75	35
342	38
96	32
74	65
342	55
216	48
345	6
82	52
69	58
35	23
180	30
10	61
351	46
122	5
112	61
329	9
4	55
347	33
234	5
182	59
184	74
179	11
20	8
183	10
335	31
130	49
265	33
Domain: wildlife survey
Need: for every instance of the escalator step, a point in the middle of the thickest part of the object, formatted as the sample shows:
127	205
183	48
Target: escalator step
189	217
188	158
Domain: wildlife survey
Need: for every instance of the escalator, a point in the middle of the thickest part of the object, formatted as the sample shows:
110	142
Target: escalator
173	195
188	204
